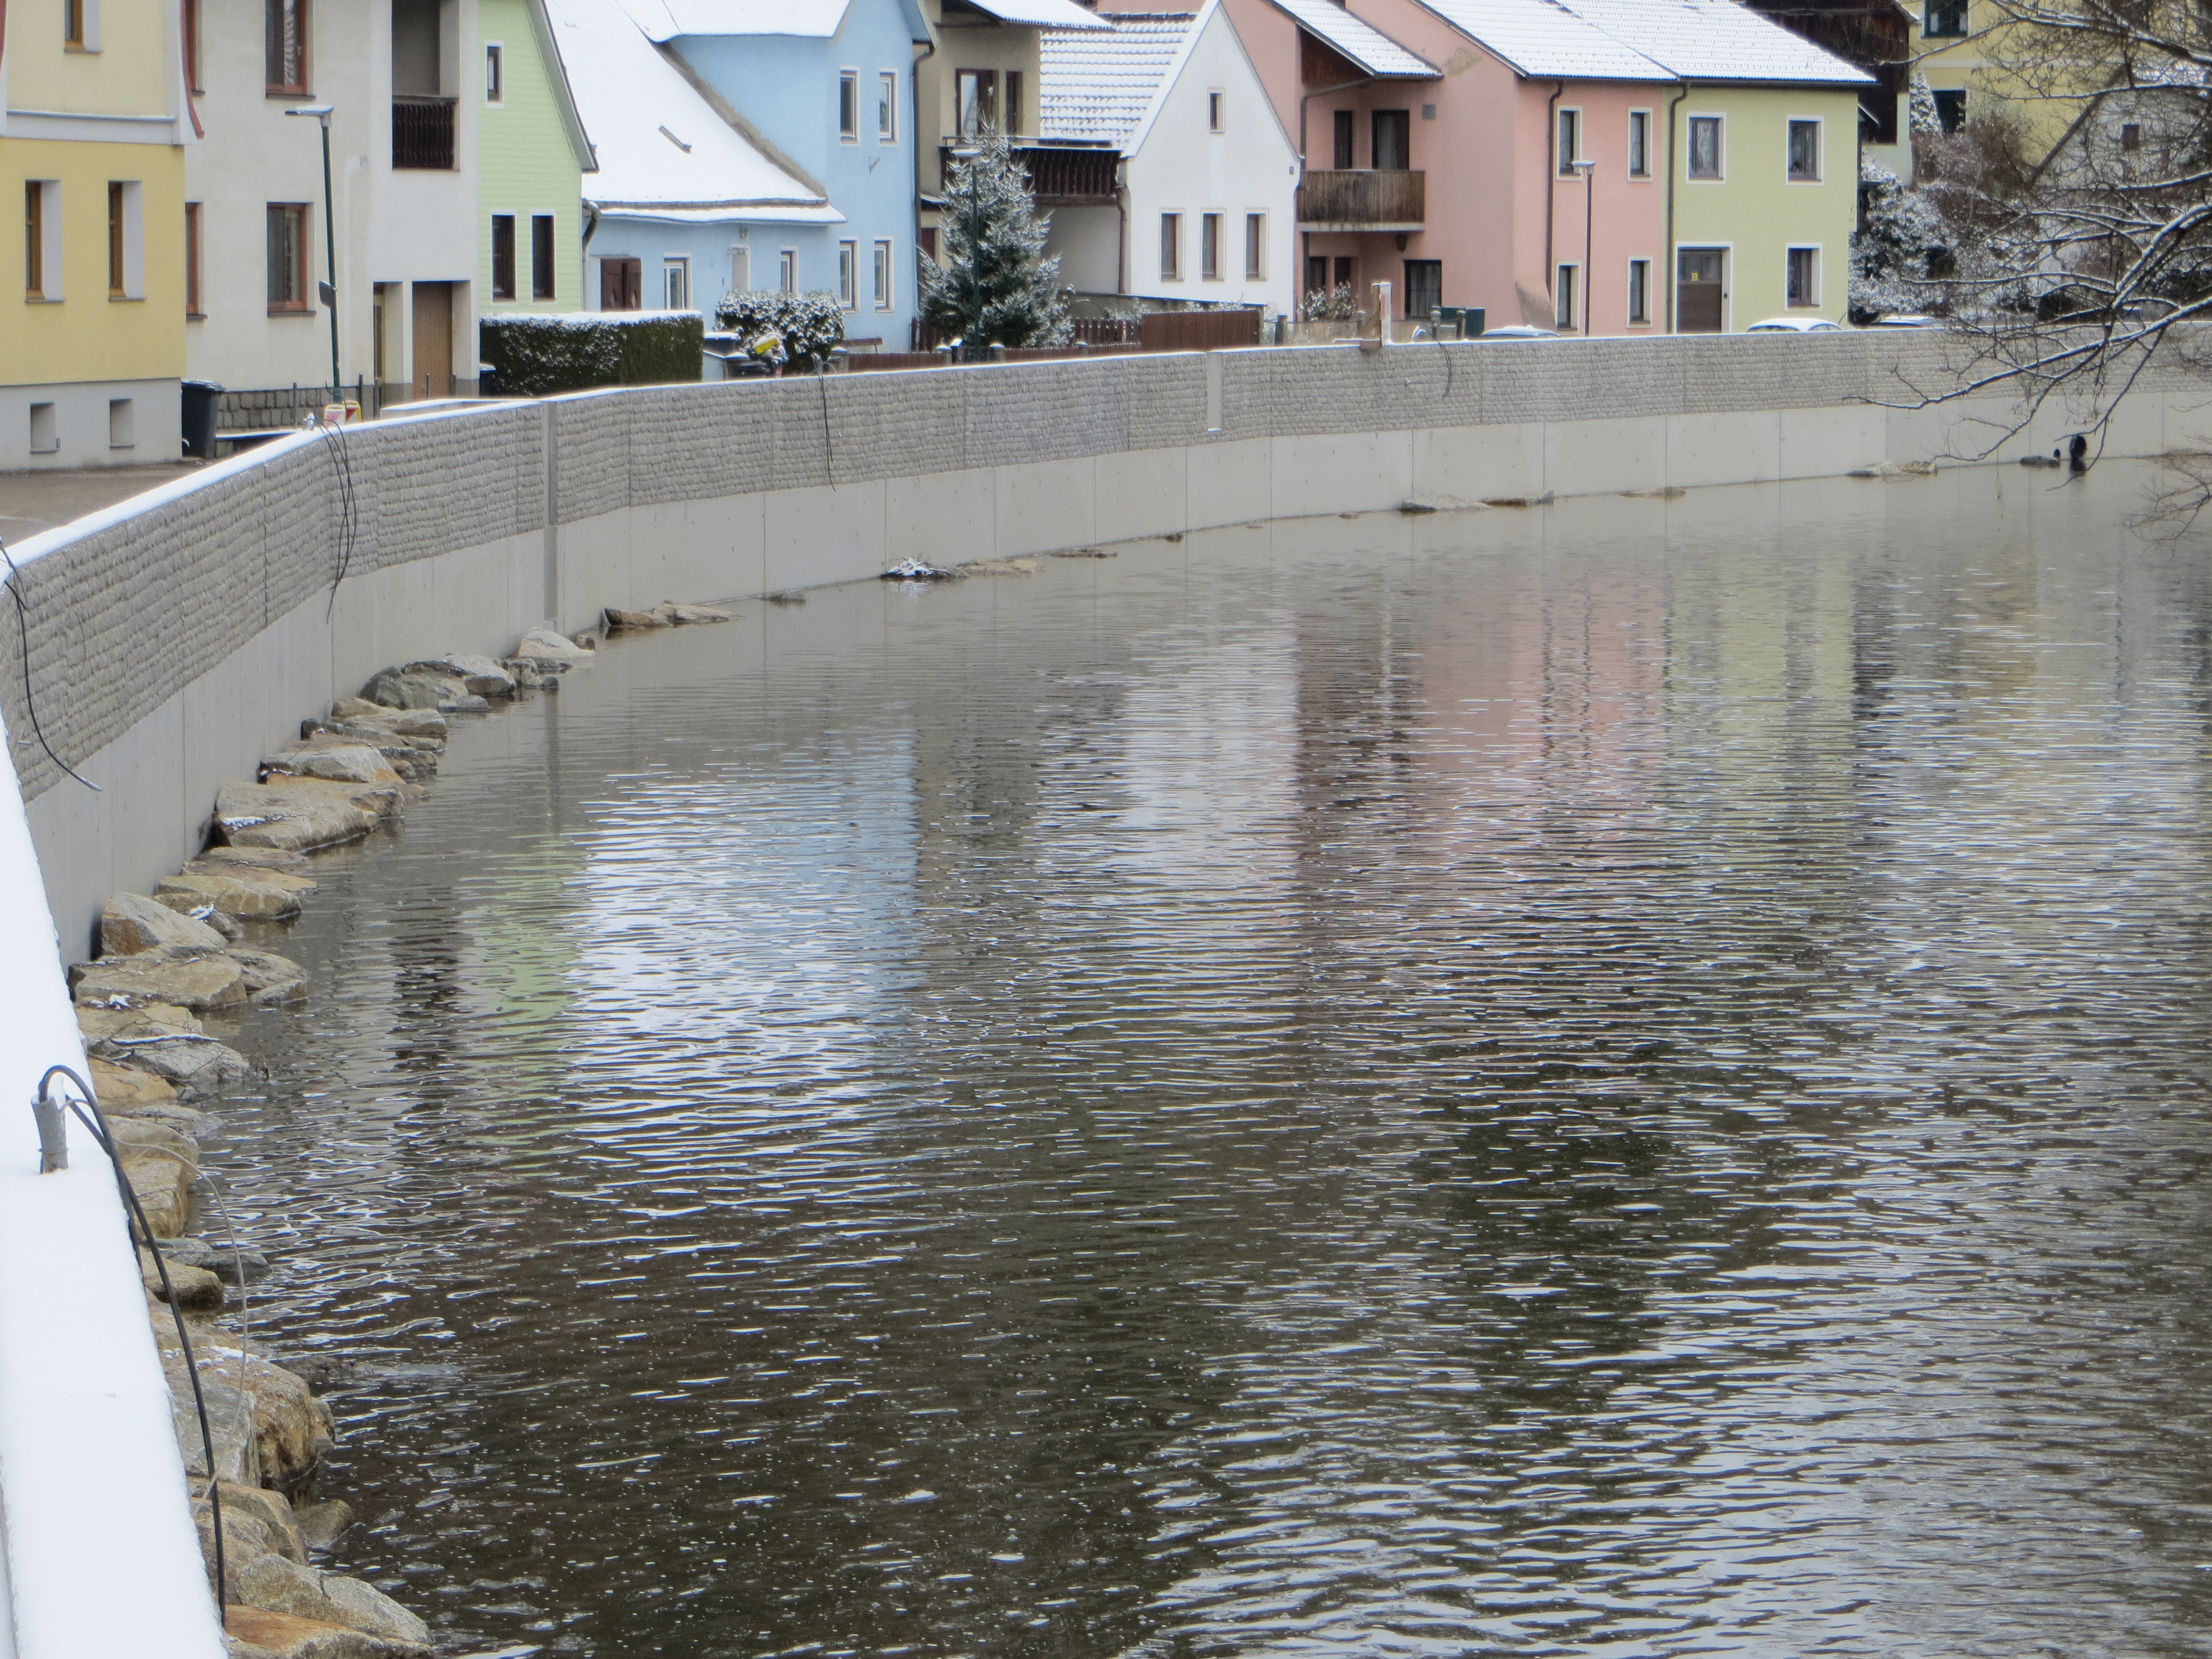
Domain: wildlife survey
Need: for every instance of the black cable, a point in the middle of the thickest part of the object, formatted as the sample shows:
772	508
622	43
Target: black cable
829	448
30	702
349	513
142	1229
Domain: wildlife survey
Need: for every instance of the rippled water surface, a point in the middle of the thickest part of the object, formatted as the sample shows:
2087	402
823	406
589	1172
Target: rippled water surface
1626	1078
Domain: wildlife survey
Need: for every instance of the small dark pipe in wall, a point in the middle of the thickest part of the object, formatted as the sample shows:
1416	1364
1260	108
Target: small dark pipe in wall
2077	454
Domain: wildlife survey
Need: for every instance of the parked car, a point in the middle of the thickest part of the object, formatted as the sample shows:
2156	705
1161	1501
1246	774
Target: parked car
1518	332
1795	326
1902	319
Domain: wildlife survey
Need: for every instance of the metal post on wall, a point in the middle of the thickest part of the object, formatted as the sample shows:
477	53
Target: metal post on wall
330	287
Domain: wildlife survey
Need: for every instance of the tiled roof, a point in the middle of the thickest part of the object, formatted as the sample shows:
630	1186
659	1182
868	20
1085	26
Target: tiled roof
1717	40
1098	86
662	150
1543	40
1362	42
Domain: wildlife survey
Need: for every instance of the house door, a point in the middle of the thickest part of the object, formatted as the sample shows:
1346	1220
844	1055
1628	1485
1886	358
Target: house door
1700	291
621	285
433	340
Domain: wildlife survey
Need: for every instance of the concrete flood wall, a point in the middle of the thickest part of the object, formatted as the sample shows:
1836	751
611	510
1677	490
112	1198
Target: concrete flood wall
175	640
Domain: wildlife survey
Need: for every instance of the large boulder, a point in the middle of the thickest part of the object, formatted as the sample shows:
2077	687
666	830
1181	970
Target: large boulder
398	687
621	621
237	890
269	978
129	924
281	1586
195	1288
127	1089
162	1185
300	814
164	1040
153	1135
480	676
256	859
258	1633
682	615
543	646
186	976
338	763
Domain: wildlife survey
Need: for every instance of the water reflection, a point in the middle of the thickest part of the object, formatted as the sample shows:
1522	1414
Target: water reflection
1622	1080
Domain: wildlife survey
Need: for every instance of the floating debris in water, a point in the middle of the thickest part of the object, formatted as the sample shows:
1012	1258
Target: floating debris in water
914	570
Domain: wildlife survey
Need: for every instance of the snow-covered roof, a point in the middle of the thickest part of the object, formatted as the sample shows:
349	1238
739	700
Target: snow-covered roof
664	152
1545	41
1098	85
1042	13
1359	42
1717	40
662	20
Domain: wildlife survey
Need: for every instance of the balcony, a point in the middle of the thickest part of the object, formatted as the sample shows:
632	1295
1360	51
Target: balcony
1363	201
422	133
1061	175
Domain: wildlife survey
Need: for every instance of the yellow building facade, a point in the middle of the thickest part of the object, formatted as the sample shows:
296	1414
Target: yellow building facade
93	126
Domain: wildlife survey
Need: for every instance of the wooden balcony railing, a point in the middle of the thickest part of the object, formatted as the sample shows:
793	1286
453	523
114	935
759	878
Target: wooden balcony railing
422	133
1061	175
1363	201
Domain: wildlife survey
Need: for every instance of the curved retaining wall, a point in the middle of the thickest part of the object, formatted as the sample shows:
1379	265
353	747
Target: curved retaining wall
175	640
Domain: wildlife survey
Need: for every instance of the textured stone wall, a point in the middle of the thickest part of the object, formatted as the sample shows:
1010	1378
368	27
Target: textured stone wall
121	618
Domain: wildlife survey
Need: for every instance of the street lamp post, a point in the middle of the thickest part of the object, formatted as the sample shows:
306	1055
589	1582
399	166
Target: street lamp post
1588	171
330	287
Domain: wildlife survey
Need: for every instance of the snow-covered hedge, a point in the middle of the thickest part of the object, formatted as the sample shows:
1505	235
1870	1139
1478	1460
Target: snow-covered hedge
537	356
811	326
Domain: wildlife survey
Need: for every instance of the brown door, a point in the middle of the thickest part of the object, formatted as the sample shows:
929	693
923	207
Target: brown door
1699	290
433	340
622	284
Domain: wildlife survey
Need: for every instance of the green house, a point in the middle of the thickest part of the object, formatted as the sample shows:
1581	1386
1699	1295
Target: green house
531	154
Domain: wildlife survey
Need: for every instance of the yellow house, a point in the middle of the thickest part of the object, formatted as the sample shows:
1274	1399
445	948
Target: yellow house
92	134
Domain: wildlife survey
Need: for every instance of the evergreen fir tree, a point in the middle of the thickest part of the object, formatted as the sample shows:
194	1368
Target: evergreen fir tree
995	285
1904	244
1920	108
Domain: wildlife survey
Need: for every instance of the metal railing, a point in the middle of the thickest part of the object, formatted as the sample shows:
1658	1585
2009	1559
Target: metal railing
422	133
1366	200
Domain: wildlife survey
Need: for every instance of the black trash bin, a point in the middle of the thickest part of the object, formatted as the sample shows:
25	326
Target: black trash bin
199	418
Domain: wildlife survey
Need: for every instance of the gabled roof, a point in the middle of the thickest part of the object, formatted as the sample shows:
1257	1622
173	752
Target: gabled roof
1099	85
1360	42
1042	13
1544	40
663	20
1717	40
663	150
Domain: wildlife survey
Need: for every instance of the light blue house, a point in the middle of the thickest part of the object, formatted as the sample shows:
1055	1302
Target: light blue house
749	145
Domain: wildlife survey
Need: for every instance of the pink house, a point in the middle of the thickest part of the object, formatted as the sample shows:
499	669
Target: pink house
1504	154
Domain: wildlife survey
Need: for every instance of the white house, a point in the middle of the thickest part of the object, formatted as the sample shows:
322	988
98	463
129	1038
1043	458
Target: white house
395	77
1208	209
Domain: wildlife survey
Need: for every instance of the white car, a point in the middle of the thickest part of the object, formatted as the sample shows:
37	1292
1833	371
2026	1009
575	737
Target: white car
1518	332
1795	326
1902	320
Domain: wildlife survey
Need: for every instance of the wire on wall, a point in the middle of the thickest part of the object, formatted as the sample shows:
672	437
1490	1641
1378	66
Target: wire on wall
349	530
30	702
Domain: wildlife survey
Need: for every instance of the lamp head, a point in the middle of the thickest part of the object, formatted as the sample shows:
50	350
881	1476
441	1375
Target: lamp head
321	112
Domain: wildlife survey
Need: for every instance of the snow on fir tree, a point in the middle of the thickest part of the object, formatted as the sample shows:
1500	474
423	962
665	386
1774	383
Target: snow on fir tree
995	285
1901	246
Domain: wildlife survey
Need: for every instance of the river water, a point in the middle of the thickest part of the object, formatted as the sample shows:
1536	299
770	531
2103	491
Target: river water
1631	1077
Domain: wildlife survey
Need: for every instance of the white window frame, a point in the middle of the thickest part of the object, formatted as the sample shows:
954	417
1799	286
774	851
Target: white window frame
1563	165
1816	250
1171	242
495	55
849	80
887	108
1634	320
1820	148
1216	109
1213	219
848	276
884	272
678	266
1645	177
1255	247
1567	296
1719	176
786	271
741	267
